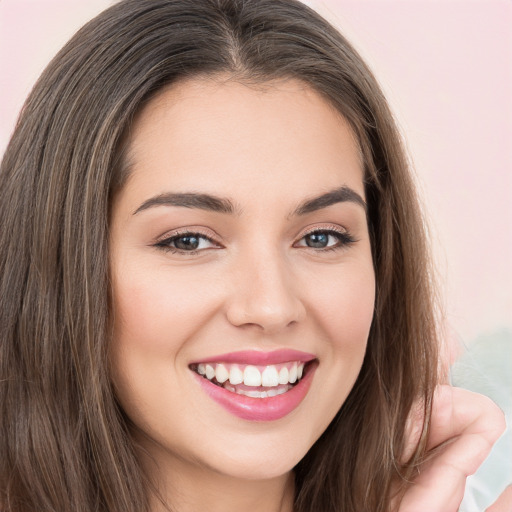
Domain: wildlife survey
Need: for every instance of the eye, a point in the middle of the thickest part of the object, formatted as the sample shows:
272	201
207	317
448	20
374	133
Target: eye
187	243
325	239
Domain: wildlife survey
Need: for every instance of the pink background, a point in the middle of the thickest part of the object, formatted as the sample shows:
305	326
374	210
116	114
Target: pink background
446	67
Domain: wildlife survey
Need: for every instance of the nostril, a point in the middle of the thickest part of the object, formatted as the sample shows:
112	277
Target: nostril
264	294
265	316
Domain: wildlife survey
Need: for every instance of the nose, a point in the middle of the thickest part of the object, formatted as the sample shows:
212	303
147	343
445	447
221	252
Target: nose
264	294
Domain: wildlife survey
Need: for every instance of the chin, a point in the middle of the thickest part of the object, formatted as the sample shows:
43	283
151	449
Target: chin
258	469
263	457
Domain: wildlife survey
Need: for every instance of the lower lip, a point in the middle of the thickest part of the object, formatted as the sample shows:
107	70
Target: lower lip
259	409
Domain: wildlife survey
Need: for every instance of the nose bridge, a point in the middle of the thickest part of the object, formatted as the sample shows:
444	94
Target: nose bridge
264	292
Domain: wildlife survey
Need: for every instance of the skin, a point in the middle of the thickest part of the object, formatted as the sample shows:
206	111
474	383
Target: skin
256	286
464	427
253	283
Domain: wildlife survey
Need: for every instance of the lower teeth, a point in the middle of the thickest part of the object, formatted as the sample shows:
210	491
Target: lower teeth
258	394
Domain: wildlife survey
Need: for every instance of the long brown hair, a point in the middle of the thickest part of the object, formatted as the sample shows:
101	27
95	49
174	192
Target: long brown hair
64	442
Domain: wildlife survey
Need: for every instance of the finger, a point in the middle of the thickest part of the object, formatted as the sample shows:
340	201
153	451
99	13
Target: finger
458	414
436	489
464	426
455	412
440	484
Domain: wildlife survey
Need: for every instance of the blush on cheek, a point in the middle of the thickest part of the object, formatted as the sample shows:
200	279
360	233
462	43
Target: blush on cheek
156	315
349	310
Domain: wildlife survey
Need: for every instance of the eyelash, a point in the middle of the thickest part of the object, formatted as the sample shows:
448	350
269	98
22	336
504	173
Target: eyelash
165	244
344	238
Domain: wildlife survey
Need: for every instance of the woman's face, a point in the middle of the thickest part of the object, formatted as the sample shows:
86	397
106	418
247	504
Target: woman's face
240	259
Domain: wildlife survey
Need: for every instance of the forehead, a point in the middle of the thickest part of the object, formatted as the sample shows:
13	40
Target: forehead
224	136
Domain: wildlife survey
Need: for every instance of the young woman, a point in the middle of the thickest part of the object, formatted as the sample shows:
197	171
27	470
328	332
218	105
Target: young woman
214	282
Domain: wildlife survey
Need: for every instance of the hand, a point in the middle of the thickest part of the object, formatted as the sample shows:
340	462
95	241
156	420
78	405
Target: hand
464	427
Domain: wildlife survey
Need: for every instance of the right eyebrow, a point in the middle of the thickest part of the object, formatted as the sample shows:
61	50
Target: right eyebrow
189	200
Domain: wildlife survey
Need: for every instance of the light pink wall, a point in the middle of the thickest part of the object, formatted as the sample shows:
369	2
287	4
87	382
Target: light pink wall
446	67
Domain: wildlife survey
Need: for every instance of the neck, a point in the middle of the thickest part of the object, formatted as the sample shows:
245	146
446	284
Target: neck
182	486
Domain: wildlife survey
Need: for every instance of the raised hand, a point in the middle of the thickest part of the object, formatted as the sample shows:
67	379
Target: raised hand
464	427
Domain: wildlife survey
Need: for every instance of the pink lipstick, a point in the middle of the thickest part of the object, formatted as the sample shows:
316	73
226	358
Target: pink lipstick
255	385
257	357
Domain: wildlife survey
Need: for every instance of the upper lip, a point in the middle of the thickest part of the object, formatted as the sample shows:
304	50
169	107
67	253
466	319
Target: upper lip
257	357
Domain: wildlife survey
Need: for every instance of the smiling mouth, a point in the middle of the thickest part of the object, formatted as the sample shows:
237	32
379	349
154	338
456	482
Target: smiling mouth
251	380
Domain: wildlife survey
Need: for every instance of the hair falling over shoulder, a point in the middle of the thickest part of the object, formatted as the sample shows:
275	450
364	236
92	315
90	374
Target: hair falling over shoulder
64	441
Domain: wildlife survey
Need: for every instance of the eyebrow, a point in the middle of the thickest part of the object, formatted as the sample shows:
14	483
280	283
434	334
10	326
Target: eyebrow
339	195
190	200
224	205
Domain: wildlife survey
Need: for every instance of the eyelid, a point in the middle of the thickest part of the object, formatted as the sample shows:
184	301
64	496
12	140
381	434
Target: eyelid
163	242
323	227
189	230
345	238
160	242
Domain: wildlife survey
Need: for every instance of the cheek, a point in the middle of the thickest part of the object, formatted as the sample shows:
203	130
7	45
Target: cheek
344	313
155	317
158	311
346	308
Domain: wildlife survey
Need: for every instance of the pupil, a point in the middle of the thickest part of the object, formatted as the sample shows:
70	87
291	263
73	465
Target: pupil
187	243
317	240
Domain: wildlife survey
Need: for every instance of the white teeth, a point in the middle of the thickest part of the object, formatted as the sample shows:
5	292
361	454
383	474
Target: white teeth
209	372
221	373
255	394
258	394
292	375
252	376
270	377
235	375
283	375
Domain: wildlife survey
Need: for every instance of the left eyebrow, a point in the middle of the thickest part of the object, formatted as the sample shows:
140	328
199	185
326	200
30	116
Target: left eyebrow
338	195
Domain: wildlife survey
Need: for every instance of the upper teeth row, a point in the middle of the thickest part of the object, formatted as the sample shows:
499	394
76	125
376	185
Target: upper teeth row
251	375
